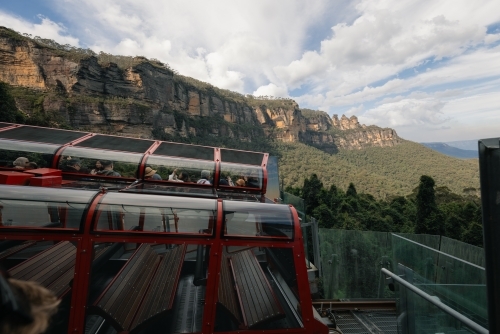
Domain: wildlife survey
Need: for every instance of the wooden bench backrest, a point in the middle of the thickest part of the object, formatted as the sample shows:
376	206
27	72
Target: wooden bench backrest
245	292
160	296
258	302
144	288
227	291
52	268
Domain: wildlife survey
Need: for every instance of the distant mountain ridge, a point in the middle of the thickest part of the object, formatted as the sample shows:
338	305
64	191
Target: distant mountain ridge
451	151
470	145
62	86
145	98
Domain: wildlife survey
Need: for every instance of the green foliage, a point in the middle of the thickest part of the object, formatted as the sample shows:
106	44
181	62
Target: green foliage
8	110
416	213
383	172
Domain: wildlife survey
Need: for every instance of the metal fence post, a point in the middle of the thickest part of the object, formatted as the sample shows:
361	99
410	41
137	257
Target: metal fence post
317	256
489	168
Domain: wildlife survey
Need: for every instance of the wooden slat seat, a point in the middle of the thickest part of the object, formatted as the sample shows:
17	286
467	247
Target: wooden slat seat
252	291
16	249
143	289
227	294
53	268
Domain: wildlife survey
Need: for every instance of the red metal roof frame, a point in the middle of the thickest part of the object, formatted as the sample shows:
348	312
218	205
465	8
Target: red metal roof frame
149	152
85	238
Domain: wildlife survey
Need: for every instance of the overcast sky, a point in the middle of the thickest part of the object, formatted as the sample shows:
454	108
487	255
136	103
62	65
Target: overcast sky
428	68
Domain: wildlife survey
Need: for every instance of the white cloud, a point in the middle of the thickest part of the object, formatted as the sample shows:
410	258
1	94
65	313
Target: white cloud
407	112
45	29
409	64
271	90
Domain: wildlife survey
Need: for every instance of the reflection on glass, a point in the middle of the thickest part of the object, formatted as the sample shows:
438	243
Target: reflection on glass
258	220
99	162
156	214
257	276
351	261
24	155
417	315
452	280
163	288
180	170
23	260
42	207
241	176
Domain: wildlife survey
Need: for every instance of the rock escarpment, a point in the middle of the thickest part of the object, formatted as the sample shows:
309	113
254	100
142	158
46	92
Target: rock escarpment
147	99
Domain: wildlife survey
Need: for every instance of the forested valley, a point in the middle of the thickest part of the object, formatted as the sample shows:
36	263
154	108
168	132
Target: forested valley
429	209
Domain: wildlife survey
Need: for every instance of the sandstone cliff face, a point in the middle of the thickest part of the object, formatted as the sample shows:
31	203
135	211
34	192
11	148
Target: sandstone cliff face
146	98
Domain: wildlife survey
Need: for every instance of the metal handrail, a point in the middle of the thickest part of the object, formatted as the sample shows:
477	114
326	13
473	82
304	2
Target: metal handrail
460	317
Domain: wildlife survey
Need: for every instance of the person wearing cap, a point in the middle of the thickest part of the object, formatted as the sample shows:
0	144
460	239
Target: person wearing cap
150	174
21	163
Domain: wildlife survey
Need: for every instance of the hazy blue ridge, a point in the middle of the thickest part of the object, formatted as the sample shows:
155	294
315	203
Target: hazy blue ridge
464	144
452	151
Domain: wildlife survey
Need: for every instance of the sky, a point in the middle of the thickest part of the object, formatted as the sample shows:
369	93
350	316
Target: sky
430	69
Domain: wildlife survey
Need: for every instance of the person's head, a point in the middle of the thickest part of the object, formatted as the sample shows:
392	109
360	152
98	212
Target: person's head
75	163
184	176
25	307
107	164
98	165
21	162
240	183
205	174
32	165
149	172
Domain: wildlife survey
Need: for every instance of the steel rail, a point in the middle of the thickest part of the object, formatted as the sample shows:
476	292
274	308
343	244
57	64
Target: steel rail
460	317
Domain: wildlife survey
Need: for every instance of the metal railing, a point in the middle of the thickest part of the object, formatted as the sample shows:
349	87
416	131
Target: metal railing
460	317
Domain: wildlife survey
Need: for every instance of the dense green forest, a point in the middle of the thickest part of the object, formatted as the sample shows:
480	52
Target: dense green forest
429	209
379	171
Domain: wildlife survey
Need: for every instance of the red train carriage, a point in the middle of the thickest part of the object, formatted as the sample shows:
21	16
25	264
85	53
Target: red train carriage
198	248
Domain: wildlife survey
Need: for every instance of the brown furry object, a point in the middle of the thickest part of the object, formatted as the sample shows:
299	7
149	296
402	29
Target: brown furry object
43	306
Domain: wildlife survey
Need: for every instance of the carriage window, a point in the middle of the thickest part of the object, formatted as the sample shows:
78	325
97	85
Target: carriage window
25	155
42	207
179	170
241	176
121	212
247	219
257	290
161	288
99	163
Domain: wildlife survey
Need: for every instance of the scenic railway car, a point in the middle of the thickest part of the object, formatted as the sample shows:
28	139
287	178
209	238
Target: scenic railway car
144	236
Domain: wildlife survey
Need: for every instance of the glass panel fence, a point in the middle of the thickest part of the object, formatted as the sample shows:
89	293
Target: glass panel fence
457	283
417	315
351	263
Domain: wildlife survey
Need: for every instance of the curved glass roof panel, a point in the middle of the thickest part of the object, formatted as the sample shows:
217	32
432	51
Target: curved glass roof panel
181	170
233	175
99	162
149	213
241	157
11	150
42	207
185	151
42	135
125	144
247	219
